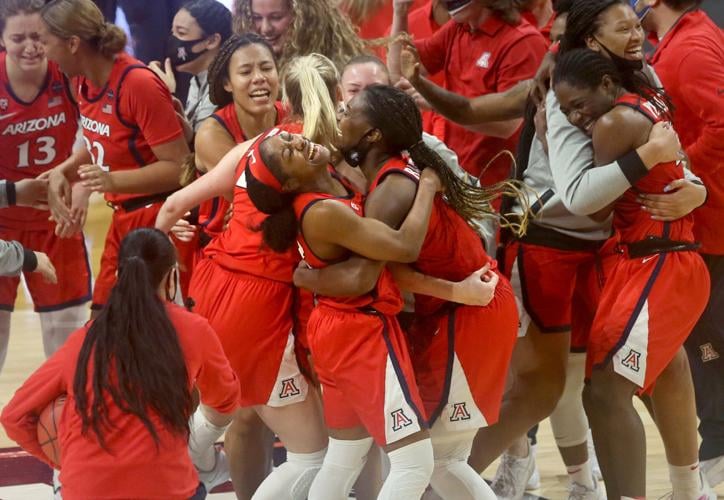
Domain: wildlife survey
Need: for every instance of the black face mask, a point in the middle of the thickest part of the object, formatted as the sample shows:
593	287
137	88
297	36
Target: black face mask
355	155
622	64
179	51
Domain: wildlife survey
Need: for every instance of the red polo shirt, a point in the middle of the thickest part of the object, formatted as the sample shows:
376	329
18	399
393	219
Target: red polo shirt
545	30
690	63
491	59
421	24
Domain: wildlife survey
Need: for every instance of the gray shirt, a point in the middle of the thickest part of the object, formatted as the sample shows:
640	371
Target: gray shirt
198	104
12	254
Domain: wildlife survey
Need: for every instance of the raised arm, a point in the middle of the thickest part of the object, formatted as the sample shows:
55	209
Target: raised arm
218	182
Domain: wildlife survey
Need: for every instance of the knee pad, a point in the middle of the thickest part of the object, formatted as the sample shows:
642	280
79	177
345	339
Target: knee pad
568	420
342	464
202	436
410	471
293	478
452	477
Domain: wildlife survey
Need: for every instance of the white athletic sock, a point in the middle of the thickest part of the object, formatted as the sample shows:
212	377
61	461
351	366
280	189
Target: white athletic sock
342	464
202	437
686	482
410	470
292	479
581	474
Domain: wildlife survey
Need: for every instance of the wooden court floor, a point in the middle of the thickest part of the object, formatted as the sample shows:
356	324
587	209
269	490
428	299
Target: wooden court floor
26	353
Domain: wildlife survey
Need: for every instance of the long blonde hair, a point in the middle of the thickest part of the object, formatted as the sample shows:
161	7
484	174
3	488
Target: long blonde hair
318	26
82	18
309	88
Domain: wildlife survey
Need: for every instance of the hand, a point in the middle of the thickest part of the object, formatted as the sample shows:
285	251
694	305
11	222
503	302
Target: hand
409	61
32	193
665	142
404	85
94	178
430	177
59	197
541	125
402	5
165	73
78	212
543	79
45	268
303	275
183	230
228	215
683	196
478	289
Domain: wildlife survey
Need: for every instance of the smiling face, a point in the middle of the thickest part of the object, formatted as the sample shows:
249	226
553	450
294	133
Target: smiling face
353	123
21	39
583	106
272	20
253	80
299	158
620	32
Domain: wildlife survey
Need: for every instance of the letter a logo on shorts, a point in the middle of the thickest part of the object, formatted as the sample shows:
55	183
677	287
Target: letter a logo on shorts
289	389
631	361
399	420
708	353
459	412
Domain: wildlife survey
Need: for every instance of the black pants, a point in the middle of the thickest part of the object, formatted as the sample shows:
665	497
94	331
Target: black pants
200	493
149	21
705	347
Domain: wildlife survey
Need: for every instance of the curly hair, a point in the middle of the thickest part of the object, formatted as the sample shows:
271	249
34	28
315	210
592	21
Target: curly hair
318	26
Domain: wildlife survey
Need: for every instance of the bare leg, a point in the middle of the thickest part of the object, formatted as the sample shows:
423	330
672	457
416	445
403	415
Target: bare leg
538	371
4	336
618	433
248	444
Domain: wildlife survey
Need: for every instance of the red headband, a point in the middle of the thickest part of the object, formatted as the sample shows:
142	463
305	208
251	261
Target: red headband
256	165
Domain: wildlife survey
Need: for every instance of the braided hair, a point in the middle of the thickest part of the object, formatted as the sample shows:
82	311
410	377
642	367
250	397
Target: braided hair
585	68
405	133
219	69
584	20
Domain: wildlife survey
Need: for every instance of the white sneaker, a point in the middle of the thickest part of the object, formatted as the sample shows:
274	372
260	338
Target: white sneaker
512	476
595	468
56	485
534	481
713	470
218	475
578	491
707	492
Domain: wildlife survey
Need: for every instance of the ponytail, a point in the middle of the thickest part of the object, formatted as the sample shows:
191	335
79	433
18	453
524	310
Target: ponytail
131	351
309	88
82	18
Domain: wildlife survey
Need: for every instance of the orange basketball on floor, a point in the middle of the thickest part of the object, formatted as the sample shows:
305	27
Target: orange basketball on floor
48	429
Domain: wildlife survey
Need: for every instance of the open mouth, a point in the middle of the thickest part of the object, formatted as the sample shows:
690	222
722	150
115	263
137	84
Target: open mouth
312	151
260	95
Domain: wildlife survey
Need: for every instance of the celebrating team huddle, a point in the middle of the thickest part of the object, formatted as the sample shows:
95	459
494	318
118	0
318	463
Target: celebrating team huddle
393	235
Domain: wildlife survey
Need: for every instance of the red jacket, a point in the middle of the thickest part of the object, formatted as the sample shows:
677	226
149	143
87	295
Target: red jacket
133	467
689	59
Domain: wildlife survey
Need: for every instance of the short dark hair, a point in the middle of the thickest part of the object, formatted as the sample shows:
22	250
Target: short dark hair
212	16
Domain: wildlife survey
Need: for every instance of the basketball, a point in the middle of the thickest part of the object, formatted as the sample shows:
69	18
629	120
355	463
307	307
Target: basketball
48	429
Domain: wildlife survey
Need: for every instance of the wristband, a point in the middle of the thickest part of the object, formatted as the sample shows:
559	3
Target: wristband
10	193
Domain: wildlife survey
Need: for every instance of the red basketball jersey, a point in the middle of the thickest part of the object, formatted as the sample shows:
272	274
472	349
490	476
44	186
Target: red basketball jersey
34	137
452	250
633	223
241	247
123	120
385	297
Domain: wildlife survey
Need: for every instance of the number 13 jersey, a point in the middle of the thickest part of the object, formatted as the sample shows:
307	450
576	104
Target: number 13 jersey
35	136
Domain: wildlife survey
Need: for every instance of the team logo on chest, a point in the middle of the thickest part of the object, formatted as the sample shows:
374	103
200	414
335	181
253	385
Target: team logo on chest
459	412
399	420
708	353
4	104
484	60
289	389
632	360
